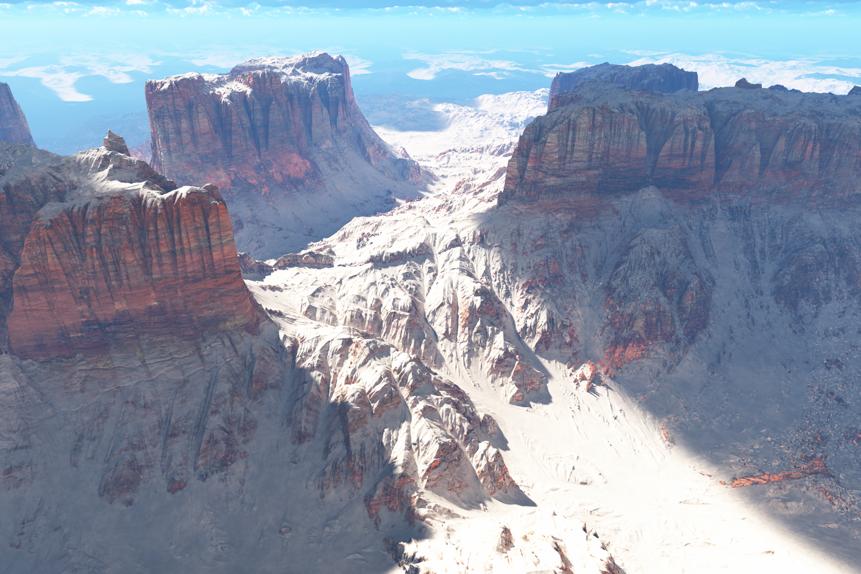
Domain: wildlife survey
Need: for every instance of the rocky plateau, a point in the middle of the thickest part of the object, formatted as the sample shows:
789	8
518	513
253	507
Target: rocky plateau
618	334
285	142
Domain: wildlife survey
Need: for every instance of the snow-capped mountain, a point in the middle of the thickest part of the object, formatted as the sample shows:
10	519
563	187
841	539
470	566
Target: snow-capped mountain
559	359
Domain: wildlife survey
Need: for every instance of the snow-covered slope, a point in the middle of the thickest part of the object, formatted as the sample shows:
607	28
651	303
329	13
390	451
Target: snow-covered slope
506	302
432	392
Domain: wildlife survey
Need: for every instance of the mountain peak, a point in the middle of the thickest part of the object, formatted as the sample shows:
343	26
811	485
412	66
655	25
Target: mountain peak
13	124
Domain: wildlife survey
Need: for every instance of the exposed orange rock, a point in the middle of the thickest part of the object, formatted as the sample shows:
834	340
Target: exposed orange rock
100	247
135	262
815	466
609	138
269	129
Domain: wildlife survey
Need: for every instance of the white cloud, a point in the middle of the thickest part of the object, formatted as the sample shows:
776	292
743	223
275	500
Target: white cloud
358	66
61	78
6	62
551	70
64	7
250	9
463	62
56	79
479	65
103	11
196	8
717	70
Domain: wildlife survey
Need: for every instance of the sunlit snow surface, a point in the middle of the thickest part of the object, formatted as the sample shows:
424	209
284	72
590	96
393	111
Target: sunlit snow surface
597	466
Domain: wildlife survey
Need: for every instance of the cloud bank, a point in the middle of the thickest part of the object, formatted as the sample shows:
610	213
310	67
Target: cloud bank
718	70
61	78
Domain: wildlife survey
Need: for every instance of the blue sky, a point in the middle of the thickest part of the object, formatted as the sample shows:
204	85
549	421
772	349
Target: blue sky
78	67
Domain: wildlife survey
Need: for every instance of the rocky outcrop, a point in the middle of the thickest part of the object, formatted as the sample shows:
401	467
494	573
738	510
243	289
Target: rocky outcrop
770	144
13	125
654	78
100	248
815	466
115	143
744	84
285	141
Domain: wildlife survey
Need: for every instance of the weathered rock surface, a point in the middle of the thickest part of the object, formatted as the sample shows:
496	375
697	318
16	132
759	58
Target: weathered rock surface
765	144
744	84
385	399
115	143
13	125
726	312
284	140
655	78
100	248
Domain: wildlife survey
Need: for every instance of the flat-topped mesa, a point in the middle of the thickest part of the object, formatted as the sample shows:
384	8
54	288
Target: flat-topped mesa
655	78
273	127
767	144
114	251
13	125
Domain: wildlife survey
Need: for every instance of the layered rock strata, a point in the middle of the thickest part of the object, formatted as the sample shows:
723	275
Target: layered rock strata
100	247
767	144
285	141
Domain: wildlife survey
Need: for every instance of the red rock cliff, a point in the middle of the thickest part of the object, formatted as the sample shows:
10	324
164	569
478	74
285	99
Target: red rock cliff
597	141
269	129
263	125
111	254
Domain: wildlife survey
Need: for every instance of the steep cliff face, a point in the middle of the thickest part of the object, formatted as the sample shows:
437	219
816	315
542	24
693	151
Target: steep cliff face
96	250
768	144
285	141
24	191
13	125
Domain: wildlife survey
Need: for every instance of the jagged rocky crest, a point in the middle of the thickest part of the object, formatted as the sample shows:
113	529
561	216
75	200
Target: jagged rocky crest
284	139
